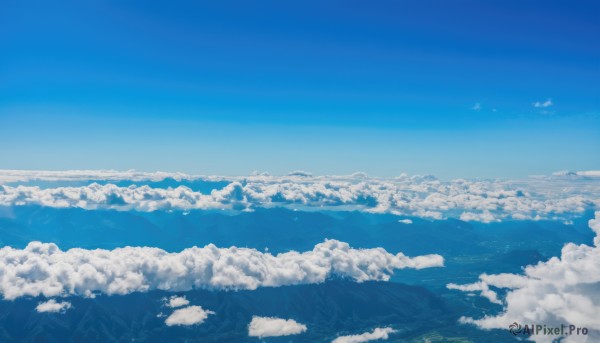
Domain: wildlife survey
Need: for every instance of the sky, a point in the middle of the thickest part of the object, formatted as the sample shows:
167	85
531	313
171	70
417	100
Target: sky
454	89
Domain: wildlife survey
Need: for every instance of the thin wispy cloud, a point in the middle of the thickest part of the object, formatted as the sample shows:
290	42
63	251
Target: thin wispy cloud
543	104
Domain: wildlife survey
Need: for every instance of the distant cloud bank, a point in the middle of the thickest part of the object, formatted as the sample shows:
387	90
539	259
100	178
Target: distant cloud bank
43	269
557	197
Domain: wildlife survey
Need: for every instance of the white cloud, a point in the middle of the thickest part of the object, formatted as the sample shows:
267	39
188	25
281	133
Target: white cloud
484	217
544	104
376	334
584	173
563	290
274	327
589	173
176	301
44	269
405	221
53	306
561	196
8	175
480	287
190	315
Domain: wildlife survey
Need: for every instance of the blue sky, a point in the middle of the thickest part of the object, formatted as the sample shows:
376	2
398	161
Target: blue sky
229	87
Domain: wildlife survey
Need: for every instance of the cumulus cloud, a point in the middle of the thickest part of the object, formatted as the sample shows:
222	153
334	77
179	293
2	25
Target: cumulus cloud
44	269
53	306
176	301
274	327
190	315
544	104
559	197
563	290
376	334
405	221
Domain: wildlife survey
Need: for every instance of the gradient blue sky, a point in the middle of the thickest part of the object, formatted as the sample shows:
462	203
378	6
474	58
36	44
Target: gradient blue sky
229	87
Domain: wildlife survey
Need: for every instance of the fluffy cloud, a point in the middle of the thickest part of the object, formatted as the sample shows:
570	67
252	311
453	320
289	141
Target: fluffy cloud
274	327
563	290
405	221
376	334
44	269
53	306
176	301
558	197
190	315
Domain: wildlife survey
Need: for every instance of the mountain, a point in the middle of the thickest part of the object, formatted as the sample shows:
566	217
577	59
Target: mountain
278	229
327	309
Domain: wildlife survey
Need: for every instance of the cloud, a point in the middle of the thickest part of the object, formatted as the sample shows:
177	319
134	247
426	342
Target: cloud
376	334
176	301
484	217
581	174
557	197
8	175
274	327
44	269
544	104
190	315
53	306
476	107
300	173
481	287
405	221
563	290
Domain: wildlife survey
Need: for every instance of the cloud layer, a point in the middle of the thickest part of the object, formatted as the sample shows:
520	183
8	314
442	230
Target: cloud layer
376	334
563	290
274	327
557	197
8	175
44	269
